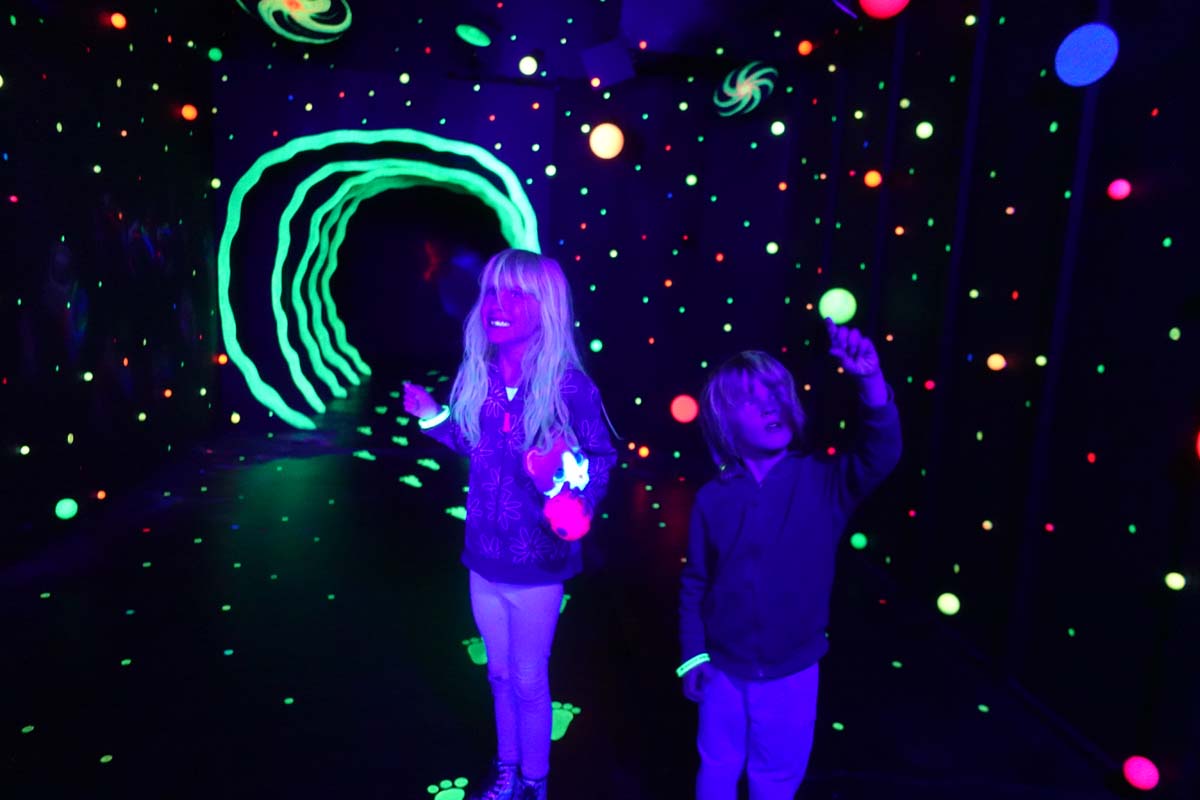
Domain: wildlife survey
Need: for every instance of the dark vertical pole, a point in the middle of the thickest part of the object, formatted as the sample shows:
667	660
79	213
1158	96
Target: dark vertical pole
1035	497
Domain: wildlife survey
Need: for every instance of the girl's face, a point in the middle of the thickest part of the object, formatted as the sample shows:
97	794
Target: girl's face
759	425
510	316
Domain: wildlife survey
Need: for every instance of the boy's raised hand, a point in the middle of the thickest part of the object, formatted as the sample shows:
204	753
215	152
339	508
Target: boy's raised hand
855	351
419	402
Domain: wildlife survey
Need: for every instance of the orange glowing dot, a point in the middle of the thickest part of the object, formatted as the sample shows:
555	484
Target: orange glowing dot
491	117
642	45
189	112
595	83
1010	211
899	230
125	361
118	21
668	283
783	186
996	362
643	451
632	445
222	359
124	133
651	340
167	393
536	106
100	495
873	178
805	48
583	226
720	257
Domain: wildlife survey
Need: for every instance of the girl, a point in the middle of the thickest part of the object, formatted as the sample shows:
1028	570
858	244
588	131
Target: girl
754	599
521	407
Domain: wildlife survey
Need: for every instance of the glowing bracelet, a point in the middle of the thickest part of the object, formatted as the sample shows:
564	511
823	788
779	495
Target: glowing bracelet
695	661
426	424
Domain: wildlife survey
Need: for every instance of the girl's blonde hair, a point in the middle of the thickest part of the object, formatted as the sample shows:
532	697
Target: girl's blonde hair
730	386
550	354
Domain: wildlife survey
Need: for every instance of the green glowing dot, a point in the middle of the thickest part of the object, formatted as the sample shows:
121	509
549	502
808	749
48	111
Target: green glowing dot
287	701
1133	528
472	35
125	662
924	130
897	664
727	327
1175	581
837	726
1071	632
226	607
215	183
215	54
772	248
858	541
839	305
1167	242
691	180
66	508
1054	127
984	708
88	377
105	759
1174	334
44	595
227	652
778	128
948	604
1100	369
27	729
596	345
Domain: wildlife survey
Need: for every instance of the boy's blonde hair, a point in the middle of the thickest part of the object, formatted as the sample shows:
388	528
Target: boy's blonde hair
729	387
550	354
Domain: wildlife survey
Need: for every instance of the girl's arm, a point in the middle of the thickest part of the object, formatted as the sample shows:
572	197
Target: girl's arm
435	421
587	421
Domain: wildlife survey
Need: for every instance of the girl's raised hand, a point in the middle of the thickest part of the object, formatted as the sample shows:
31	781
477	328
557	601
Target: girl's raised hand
419	402
855	351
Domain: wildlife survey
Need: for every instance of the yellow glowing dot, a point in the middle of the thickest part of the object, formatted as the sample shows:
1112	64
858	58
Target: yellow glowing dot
235	418
528	65
873	178
1175	581
25	450
772	248
215	183
987	525
996	362
643	451
551	170
971	20
606	140
405	77
118	21
948	604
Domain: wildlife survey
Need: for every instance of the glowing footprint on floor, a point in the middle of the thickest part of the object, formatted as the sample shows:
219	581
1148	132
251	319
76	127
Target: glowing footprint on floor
448	790
563	714
477	650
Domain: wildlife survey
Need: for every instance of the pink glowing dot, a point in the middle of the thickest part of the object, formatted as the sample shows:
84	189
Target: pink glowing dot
1119	189
882	9
1141	773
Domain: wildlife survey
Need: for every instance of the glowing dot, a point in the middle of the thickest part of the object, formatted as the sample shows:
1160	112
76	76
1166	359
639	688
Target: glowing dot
924	130
215	54
772	248
472	35
118	21
996	362
189	112
1174	334
858	541
778	128
882	9
105	759
691	180
528	65
235	418
805	48
1175	581
1119	189
1140	772
1086	54
551	170
223	359
66	508
595	345
838	305
215	183
643	451
684	408
100	495
987	525
24	450
948	604
873	178
971	20
606	140
783	186
287	701
1041	361
405	77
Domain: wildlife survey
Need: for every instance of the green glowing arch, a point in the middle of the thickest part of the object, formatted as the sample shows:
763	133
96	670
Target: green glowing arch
361	180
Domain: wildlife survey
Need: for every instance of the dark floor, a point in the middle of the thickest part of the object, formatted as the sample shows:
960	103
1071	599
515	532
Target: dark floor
294	618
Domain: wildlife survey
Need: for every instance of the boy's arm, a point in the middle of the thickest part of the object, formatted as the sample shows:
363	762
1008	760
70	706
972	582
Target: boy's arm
877	449
693	583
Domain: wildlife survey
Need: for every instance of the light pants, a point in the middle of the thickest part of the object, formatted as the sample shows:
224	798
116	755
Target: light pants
762	727
517	624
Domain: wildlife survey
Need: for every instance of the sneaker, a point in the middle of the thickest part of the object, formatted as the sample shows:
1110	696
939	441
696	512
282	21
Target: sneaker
530	790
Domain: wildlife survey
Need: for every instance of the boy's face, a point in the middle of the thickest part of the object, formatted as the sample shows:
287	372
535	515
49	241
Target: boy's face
759	424
510	316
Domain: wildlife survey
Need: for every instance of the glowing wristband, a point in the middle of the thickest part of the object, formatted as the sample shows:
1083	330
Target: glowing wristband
426	424
691	663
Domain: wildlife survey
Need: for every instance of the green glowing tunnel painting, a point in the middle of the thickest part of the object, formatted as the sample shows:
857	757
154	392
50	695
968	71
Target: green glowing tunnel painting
331	358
